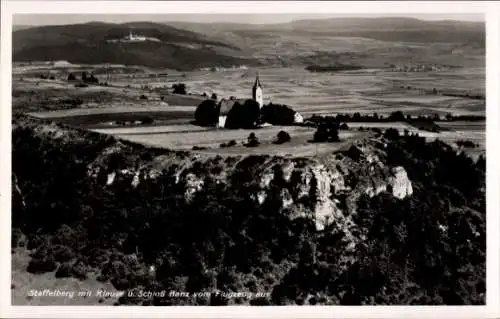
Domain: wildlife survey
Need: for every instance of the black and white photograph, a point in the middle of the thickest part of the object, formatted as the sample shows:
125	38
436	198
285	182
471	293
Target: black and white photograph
248	159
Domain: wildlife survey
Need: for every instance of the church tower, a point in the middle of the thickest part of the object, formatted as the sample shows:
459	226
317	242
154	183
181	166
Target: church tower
257	92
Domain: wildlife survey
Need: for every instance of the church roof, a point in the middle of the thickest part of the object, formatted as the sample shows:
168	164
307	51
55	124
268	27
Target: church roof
225	105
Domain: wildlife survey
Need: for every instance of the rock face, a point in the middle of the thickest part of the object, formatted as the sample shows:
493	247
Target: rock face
324	190
399	182
111	178
193	184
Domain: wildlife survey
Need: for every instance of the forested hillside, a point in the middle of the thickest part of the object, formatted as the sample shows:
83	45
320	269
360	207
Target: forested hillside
220	223
88	44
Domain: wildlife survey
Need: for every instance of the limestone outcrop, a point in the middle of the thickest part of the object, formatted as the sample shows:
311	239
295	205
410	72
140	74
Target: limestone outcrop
324	190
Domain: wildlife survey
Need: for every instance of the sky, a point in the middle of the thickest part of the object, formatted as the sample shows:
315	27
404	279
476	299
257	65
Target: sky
57	19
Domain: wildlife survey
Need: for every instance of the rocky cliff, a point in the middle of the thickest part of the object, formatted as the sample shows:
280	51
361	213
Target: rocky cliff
324	190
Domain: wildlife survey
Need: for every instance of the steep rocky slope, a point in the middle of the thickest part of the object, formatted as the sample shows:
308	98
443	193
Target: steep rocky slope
360	170
363	226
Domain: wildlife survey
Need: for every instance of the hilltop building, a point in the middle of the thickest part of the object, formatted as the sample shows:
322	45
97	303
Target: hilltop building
131	37
225	105
236	113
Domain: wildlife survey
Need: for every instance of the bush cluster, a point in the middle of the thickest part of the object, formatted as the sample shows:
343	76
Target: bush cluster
179	88
252	140
282	137
231	143
326	133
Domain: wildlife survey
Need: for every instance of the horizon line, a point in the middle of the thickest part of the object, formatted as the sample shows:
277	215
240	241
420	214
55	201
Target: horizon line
86	19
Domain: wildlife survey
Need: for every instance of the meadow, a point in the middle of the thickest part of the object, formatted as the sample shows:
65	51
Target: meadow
191	137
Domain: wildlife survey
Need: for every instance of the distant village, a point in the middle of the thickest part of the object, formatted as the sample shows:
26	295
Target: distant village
420	67
232	68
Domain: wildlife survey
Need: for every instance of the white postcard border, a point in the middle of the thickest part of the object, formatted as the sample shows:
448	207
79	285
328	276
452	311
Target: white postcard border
492	11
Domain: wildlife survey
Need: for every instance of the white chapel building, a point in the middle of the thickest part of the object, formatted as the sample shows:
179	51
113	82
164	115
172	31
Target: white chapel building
225	105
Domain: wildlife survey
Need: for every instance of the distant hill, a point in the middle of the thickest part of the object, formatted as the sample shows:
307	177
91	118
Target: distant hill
396	29
20	27
385	29
185	45
366	41
87	43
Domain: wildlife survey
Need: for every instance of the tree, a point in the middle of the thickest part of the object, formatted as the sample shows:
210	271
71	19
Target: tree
277	114
391	133
321	135
397	116
207	113
253	141
282	137
327	132
147	120
179	88
243	116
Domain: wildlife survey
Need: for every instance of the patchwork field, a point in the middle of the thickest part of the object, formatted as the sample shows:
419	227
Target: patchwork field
41	95
464	126
360	91
113	110
130	99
